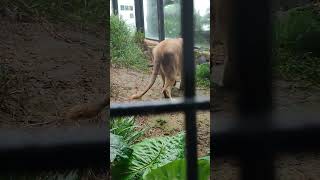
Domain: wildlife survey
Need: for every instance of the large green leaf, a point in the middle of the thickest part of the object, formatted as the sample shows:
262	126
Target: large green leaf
176	170
153	153
118	148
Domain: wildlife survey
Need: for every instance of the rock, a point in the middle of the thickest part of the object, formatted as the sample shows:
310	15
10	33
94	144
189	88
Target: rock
201	60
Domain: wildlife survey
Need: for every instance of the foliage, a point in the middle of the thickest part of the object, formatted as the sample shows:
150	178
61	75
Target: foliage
125	51
138	38
84	11
70	175
297	34
294	29
304	67
177	170
117	147
126	128
53	175
203	75
150	154
120	154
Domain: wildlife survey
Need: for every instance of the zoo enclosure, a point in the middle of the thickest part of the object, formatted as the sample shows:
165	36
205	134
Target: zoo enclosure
160	19
189	104
253	139
257	134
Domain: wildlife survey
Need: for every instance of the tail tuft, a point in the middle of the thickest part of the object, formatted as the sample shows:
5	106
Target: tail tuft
135	96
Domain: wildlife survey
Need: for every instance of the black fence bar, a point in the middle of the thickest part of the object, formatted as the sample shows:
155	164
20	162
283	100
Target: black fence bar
138	4
290	133
160	19
189	91
115	7
53	149
160	106
251	53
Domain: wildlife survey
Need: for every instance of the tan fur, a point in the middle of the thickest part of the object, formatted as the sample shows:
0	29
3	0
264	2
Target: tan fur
167	61
88	110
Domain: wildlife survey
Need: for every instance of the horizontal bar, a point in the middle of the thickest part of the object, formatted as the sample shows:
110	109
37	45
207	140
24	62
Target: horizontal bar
160	106
288	133
53	149
69	148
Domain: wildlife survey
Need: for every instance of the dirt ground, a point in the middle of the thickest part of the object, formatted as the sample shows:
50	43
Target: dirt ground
289	97
49	68
126	82
46	76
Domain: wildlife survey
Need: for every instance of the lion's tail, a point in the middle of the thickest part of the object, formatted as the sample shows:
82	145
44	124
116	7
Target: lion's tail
88	110
153	79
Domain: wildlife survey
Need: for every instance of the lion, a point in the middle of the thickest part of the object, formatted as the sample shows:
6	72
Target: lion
167	60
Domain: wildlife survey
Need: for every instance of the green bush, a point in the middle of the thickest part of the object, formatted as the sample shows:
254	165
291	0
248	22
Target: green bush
147	155
304	68
84	11
203	75
126	128
124	48
297	50
152	158
296	28
177	170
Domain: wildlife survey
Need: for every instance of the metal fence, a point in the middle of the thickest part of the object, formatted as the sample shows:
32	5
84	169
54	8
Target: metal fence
254	139
257	134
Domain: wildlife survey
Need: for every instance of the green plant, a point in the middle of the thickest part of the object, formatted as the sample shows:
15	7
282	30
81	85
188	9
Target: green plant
125	51
118	148
177	170
126	128
294	29
304	67
66	175
296	52
139	38
83	11
203	75
150	154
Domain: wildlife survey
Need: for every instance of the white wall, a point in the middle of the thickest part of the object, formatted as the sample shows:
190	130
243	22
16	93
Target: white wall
126	11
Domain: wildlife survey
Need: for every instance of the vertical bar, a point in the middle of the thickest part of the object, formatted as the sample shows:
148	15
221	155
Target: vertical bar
188	78
115	7
251	52
108	82
138	4
160	19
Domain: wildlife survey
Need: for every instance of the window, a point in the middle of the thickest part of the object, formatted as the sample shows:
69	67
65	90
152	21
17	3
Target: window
150	19
172	18
202	23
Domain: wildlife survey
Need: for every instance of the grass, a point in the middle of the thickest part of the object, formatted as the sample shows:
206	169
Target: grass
203	75
297	52
305	68
57	175
89	13
74	11
125	46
